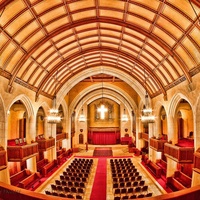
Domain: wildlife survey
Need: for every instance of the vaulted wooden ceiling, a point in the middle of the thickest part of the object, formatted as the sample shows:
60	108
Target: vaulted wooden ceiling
157	42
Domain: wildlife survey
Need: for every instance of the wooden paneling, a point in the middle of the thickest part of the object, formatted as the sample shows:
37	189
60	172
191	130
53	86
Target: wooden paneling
61	136
179	154
157	145
45	144
21	153
3	162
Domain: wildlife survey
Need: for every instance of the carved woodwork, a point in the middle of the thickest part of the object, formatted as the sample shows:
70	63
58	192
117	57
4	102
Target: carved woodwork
22	153
179	154
157	145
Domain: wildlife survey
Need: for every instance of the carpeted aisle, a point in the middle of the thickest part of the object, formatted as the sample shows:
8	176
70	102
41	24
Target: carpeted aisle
102	151
99	186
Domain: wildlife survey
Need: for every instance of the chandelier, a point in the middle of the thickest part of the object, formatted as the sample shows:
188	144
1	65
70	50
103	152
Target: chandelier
54	116
124	116
147	116
102	109
82	116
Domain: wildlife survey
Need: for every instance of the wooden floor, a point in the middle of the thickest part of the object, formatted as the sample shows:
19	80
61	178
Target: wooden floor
118	151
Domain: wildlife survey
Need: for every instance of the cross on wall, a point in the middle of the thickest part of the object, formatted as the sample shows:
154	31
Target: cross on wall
102	111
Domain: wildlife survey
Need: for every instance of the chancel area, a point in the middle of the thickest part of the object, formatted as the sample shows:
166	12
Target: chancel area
100	99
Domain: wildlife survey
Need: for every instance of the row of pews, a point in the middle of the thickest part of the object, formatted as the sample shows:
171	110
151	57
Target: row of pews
176	182
26	179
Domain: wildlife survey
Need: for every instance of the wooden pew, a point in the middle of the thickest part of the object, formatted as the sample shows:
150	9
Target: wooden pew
179	181
41	164
163	165
154	168
62	156
16	178
30	180
174	184
48	167
183	178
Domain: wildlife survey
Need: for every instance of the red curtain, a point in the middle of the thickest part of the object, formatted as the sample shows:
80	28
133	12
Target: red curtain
104	137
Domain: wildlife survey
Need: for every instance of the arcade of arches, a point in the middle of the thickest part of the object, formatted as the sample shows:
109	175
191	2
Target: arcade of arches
75	55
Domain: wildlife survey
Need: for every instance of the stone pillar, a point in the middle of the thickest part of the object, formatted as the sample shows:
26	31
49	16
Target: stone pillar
172	134
50	154
5	176
171	167
31	164
64	144
195	179
31	130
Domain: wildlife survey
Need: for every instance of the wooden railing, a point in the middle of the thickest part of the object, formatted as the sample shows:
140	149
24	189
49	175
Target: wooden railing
197	161
61	136
157	145
179	154
21	153
144	136
3	159
12	192
45	144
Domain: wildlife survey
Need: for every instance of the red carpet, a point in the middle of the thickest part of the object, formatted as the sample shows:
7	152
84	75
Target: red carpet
102	151
99	185
185	143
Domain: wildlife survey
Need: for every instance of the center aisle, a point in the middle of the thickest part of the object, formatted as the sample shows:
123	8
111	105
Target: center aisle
99	186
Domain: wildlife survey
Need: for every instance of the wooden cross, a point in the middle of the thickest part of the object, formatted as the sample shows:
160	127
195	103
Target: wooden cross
102	111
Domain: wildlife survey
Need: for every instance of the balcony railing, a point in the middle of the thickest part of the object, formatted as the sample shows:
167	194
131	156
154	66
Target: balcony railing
179	154
61	136
21	153
157	145
45	144
3	159
144	136
197	161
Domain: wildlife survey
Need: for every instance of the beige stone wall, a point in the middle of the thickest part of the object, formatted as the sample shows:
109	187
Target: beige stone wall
109	121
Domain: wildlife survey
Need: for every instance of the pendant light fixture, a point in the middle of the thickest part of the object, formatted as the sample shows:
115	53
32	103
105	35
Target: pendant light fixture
54	116
102	109
82	116
147	116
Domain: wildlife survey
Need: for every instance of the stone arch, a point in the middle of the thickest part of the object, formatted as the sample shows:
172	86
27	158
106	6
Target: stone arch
172	122
197	125
3	139
27	103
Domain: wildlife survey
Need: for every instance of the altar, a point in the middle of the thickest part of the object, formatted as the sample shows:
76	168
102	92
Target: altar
103	135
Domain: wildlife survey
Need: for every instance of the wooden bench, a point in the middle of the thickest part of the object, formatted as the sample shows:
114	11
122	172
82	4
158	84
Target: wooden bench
183	178
163	165
174	184
41	164
16	178
61	157
30	180
154	168
49	167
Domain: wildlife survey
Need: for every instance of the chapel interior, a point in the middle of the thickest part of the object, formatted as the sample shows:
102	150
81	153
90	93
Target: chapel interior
97	85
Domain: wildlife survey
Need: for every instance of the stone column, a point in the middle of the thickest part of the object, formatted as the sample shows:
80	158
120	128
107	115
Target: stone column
172	134
31	129
31	164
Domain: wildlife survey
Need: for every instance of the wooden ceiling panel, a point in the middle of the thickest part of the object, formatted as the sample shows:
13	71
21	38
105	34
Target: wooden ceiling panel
138	21
83	4
31	41
40	38
192	49
42	6
144	12
83	15
185	57
176	17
